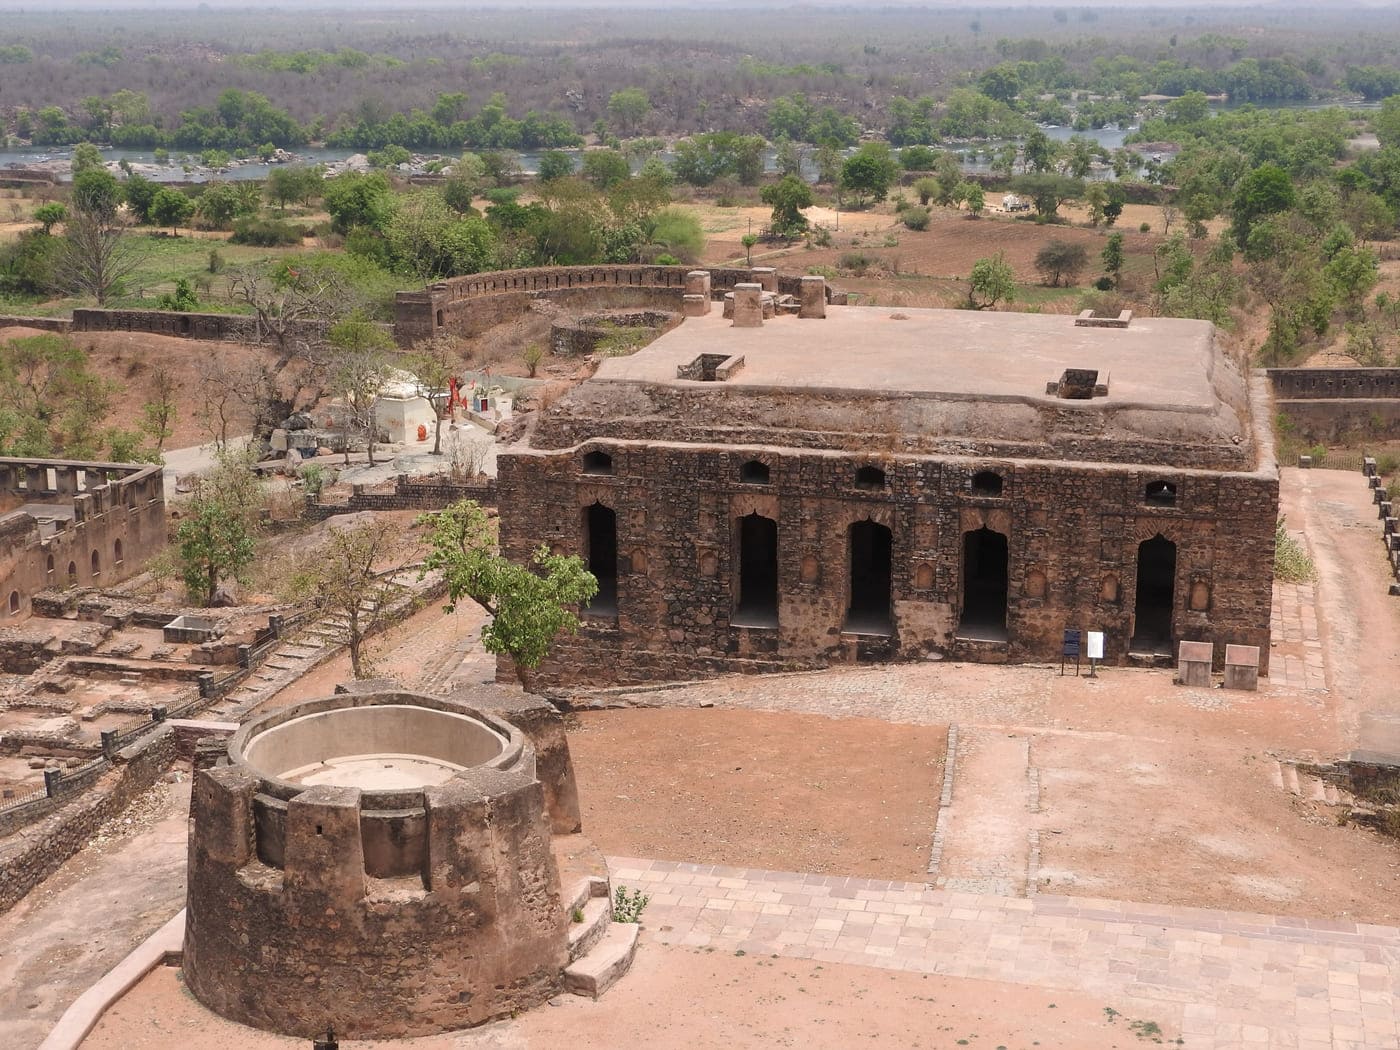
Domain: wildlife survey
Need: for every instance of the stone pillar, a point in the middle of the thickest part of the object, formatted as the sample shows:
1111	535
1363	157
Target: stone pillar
767	277
748	306
697	282
694	305
813	296
324	855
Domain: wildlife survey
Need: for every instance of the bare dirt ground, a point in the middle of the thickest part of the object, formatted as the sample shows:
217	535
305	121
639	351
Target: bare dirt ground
128	359
786	792
681	998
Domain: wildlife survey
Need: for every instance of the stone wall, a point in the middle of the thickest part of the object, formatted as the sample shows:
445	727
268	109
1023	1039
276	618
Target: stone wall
27	860
1073	532
574	338
241	328
408	494
469	306
118	523
1331	405
61	325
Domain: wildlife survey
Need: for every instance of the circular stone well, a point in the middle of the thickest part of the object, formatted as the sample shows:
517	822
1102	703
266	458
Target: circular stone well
375	862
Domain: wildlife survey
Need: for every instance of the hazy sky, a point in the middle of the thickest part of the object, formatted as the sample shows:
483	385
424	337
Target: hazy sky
969	5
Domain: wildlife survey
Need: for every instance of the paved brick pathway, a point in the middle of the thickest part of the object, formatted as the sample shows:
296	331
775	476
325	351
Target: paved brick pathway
1297	659
1222	979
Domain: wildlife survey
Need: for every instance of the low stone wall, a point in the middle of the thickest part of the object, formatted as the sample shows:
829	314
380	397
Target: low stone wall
408	495
62	325
27	860
241	328
468	306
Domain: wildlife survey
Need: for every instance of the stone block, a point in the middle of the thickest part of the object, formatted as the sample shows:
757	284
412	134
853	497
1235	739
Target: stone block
1242	667
697	282
324	853
813	296
1193	663
695	305
748	306
766	276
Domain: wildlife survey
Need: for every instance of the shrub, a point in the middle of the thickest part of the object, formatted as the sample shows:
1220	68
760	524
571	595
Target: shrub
266	233
1318	454
916	218
532	356
1291	561
1146	227
855	262
628	905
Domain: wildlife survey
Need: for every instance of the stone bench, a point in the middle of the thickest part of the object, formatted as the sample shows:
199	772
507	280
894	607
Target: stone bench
1242	667
1193	664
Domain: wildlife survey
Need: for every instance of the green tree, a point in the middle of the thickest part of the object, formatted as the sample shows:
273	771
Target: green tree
991	282
359	200
529	605
433	364
628	108
788	196
1112	256
1095	198
1387	122
139	193
1267	190
554	164
49	215
1061	259
172	208
295	184
86	157
429	240
96	192
975	197
360	355
466	181
219	205
214	541
869	172
351	582
828	161
51	402
1048	191
605	168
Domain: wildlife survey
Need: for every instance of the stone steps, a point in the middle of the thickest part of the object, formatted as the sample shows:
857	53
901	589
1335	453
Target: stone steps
583	936
603	967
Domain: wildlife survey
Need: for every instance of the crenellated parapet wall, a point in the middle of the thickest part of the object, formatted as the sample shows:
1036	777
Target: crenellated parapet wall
66	523
384	913
468	306
1338	404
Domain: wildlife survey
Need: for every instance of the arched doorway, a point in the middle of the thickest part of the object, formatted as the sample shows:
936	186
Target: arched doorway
871	546
600	551
757	604
1156	596
985	572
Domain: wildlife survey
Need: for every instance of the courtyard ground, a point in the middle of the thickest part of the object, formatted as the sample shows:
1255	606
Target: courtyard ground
1091	824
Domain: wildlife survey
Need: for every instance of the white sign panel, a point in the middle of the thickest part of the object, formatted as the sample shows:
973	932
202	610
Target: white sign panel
1095	645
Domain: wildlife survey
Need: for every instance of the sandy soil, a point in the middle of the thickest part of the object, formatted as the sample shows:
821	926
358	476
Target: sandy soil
682	998
758	789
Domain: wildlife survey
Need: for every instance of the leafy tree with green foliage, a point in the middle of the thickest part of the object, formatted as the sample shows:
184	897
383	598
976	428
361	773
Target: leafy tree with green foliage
360	365
788	196
869	172
678	231
918	158
294	184
1387	122
355	200
219	205
1267	190
529	605
172	208
628	108
1038	151
554	164
1048	191
1059	259
991	281
182	300
605	168
467	179
974	196
214	540
430	241
49	215
139	192
29	264
351	581
96	192
703	158
86	157
1112	257
51	402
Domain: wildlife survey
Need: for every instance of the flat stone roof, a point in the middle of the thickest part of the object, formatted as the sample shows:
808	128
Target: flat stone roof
958	382
1157	361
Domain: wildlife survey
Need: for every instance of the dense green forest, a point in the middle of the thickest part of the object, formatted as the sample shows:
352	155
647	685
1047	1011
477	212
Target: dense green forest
518	79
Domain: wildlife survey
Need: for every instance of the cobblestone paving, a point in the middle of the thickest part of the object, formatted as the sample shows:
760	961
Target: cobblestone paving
1225	979
1298	663
912	694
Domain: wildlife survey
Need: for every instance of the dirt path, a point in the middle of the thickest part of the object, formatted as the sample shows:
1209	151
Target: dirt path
114	894
986	837
1360	621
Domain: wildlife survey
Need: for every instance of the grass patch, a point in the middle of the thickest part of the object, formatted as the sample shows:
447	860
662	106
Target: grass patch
1291	561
